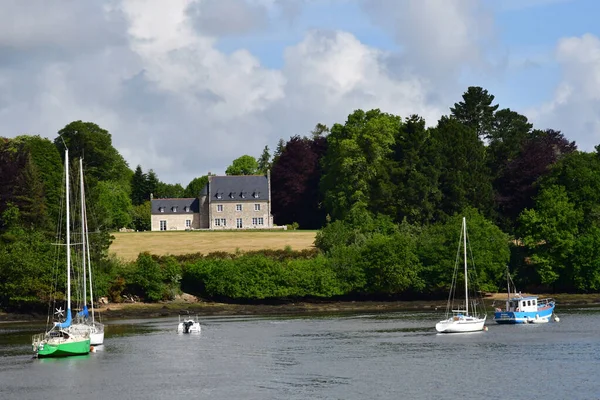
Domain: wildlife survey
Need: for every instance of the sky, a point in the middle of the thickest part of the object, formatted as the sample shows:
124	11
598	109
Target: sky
187	86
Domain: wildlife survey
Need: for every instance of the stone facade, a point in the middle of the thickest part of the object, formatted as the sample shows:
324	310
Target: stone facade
227	202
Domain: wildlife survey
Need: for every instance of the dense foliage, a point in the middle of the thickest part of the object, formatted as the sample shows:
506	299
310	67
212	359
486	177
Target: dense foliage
386	191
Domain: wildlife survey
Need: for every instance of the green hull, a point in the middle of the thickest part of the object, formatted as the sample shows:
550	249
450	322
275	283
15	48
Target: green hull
64	349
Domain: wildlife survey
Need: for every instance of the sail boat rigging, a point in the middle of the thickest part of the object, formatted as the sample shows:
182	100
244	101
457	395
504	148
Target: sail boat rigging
462	320
61	340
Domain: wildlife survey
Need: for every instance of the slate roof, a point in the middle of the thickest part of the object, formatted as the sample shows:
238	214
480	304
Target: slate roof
168	204
237	188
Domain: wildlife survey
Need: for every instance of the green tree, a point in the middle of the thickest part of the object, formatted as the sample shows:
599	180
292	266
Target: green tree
464	175
264	162
437	250
170	190
549	233
244	165
195	186
47	159
152	185
141	216
112	205
476	110
352	163
319	130
139	183
101	160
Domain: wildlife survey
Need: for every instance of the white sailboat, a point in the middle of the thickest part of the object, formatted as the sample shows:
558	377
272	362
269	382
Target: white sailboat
85	319
462	320
61	340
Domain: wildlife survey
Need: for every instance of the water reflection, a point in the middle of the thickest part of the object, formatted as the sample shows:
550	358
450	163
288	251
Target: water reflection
346	356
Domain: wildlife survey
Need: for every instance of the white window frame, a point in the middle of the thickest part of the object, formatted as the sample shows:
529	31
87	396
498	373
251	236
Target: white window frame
219	207
188	223
163	224
220	222
256	207
239	224
238	207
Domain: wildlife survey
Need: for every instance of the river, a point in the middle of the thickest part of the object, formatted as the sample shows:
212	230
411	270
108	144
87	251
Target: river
350	356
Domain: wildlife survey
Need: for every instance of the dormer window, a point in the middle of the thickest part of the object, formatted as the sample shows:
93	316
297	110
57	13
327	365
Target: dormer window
243	195
174	208
161	209
256	195
186	208
219	195
231	195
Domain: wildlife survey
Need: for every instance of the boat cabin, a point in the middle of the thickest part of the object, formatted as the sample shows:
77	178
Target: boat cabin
522	304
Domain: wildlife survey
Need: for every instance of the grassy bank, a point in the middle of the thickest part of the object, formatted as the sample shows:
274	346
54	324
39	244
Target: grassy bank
127	245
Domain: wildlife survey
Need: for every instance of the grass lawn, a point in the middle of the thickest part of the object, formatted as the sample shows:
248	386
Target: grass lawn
127	245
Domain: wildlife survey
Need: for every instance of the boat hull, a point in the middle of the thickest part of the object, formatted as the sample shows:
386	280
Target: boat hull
453	325
64	349
542	315
189	326
96	331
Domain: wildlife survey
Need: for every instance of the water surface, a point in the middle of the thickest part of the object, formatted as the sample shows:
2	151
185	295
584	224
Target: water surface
358	356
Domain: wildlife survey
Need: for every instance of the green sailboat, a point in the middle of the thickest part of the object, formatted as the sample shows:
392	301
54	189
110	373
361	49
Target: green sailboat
60	340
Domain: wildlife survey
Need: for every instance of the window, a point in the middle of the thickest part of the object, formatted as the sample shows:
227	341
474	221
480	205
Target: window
238	223
186	208
256	195
219	207
243	195
163	225
188	223
231	195
238	207
219	195
258	221
174	208
257	207
220	222
161	209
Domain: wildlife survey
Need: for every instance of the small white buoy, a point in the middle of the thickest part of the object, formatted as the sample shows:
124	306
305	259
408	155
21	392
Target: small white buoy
556	319
485	328
92	349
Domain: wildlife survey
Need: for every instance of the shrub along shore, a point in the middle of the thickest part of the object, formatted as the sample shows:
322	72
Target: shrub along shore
173	308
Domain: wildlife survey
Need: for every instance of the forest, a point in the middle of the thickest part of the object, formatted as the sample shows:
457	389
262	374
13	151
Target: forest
386	192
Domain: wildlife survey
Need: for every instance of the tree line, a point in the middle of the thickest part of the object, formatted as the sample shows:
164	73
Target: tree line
384	190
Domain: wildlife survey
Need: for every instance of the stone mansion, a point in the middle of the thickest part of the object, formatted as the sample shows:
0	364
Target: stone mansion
226	202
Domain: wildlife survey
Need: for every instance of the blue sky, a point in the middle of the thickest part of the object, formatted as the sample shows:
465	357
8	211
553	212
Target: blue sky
186	86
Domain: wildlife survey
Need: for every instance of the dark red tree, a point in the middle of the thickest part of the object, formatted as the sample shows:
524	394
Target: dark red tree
295	178
516	187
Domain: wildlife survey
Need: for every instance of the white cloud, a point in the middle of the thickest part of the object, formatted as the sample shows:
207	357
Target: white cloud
439	38
175	103
575	108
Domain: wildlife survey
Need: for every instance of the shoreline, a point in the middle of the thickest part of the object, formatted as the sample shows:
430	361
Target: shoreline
193	306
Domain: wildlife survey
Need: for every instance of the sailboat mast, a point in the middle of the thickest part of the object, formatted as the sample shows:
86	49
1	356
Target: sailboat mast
87	252
508	283
465	256
83	238
68	232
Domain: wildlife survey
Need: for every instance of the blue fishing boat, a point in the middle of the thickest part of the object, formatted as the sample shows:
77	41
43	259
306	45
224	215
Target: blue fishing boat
521	309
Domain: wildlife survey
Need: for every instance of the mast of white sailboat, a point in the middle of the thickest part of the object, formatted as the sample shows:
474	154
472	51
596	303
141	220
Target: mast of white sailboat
466	283
68	233
87	253
83	238
507	283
